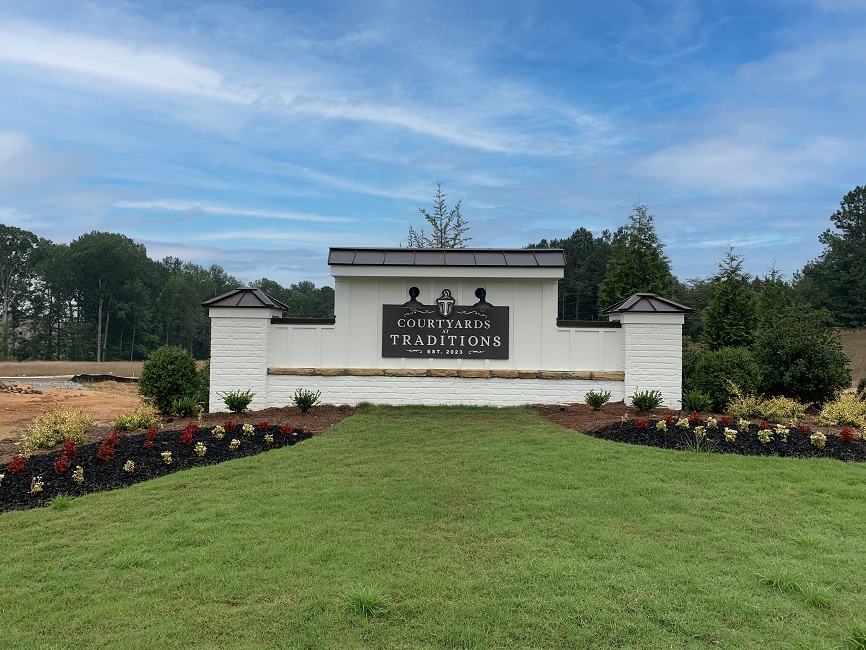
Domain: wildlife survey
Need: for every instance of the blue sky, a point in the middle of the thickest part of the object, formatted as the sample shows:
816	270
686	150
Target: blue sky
255	135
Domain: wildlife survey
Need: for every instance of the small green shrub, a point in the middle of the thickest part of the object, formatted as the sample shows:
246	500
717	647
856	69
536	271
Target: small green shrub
597	398
168	374
696	400
306	399
237	401
185	406
848	408
646	400
142	417
53	428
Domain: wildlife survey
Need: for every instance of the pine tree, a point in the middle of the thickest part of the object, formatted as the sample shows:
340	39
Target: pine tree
637	263
447	226
731	315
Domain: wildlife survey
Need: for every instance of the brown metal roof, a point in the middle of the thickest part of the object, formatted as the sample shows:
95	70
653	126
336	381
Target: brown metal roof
515	257
244	297
647	302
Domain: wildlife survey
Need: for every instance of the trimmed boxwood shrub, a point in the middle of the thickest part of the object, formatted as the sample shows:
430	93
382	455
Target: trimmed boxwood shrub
168	375
711	371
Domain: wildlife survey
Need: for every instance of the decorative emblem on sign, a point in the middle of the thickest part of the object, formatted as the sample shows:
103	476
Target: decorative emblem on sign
446	303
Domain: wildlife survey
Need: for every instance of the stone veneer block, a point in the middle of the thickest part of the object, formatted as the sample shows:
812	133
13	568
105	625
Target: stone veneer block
527	374
365	372
579	374
475	374
611	375
406	372
505	374
292	371
330	372
443	372
552	374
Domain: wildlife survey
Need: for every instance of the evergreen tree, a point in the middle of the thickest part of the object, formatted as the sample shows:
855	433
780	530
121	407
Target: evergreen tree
637	263
586	259
837	279
730	317
448	229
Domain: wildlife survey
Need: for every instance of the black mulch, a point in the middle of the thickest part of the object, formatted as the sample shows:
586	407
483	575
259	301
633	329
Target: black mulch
746	443
101	475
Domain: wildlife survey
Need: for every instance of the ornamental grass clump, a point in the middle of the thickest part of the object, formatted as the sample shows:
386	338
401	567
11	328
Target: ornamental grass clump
53	428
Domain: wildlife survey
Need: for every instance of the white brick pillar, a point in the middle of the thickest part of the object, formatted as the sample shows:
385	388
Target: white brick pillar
239	352
653	354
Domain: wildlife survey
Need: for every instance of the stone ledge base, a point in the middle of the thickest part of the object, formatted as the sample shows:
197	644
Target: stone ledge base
583	375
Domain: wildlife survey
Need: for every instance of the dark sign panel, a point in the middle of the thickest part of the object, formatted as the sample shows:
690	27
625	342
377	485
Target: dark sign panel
445	330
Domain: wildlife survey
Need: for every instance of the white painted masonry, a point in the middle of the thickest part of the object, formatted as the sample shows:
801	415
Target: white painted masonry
547	363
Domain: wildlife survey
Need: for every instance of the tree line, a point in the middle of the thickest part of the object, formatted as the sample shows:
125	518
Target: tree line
102	298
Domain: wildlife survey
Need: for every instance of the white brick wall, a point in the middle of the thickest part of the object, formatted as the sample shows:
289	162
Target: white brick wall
239	353
437	390
653	360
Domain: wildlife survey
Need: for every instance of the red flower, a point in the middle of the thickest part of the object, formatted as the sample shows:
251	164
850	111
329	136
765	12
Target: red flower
694	417
16	465
229	426
69	448
669	418
61	464
846	434
106	451
287	430
763	426
148	444
151	433
641	423
804	429
112	440
186	437
727	421
263	426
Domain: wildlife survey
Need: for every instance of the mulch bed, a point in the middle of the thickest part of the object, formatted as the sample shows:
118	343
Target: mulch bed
101	475
608	424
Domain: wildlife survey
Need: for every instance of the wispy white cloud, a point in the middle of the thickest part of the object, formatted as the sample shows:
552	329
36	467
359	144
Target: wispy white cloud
209	208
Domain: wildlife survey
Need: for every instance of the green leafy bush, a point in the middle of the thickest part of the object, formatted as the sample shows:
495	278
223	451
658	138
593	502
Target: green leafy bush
712	371
237	401
597	399
53	428
801	357
168	374
185	406
696	400
306	399
142	417
646	399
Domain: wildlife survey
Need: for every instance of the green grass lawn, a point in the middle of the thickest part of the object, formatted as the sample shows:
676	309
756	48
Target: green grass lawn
450	528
